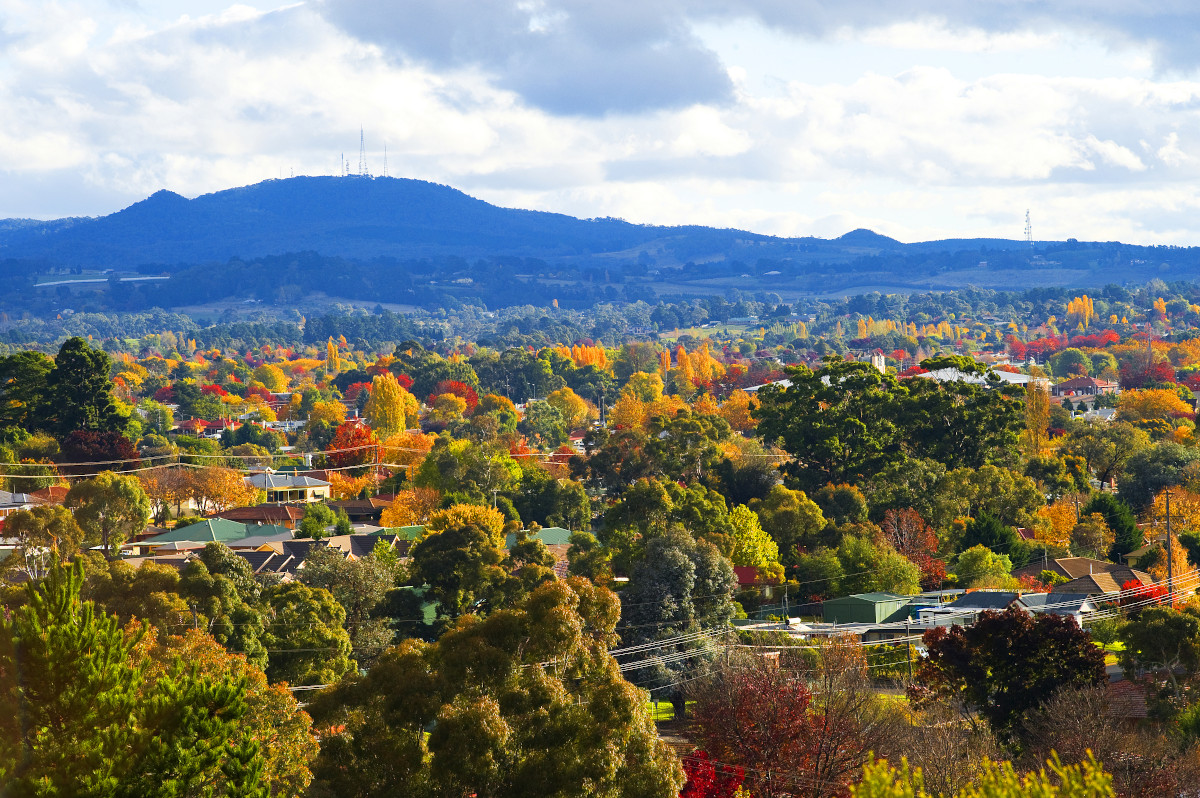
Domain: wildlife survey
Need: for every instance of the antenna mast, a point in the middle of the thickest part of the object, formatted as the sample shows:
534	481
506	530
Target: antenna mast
362	154
385	173
1028	229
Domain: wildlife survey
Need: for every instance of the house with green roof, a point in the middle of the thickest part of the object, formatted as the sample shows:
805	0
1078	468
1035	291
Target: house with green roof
866	608
210	529
550	535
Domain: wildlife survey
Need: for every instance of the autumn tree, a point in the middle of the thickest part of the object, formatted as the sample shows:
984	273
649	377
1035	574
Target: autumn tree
410	507
996	780
391	409
797	730
111	508
571	406
216	489
908	533
1091	536
738	411
1037	419
354	446
480	712
330	413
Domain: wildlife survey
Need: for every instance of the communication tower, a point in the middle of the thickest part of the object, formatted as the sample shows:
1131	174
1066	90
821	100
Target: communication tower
362	154
385	173
1028	229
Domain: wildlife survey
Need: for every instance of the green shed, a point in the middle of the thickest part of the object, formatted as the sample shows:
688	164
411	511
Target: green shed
866	608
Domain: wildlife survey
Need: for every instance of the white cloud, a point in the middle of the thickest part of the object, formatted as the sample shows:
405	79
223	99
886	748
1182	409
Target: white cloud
131	104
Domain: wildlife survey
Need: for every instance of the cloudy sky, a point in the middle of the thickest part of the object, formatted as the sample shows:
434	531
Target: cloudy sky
917	119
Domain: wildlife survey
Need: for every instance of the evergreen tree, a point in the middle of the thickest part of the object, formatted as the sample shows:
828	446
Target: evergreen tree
80	714
79	392
1118	516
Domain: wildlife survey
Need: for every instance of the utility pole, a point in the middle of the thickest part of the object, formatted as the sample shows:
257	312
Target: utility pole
908	646
1170	565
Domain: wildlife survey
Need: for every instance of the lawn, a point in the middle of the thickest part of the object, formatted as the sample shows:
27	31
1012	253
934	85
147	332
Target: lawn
664	711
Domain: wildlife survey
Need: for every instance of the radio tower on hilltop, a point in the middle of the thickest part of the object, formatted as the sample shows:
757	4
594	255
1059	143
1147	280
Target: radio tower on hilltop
1028	229
362	155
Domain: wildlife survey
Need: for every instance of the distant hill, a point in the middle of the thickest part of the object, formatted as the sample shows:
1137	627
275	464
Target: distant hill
358	217
349	217
414	243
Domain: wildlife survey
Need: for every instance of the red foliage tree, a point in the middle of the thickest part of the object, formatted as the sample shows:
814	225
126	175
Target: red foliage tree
1096	340
459	389
1016	348
214	390
1138	376
354	389
762	719
165	394
708	779
353	444
796	730
908	533
1139	595
111	451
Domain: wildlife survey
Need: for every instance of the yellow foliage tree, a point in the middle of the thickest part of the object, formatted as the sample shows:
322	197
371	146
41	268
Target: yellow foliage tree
1056	522
411	508
391	409
643	386
272	377
1152	404
447	407
1037	419
332	413
737	411
217	489
573	408
1179	561
457	515
407	450
1080	311
705	404
629	412
344	486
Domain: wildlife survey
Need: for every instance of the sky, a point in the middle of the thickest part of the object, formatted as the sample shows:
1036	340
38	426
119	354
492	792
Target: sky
919	120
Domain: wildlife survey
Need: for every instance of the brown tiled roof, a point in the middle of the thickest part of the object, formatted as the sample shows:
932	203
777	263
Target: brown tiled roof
1071	567
51	495
1097	583
1126	700
273	513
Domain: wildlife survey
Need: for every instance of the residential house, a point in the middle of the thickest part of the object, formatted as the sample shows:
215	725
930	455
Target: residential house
287	515
1101	583
968	607
1084	386
290	487
1068	567
12	502
1076	606
364	511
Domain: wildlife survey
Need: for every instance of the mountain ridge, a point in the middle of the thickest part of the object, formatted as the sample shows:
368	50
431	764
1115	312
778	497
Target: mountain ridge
359	218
